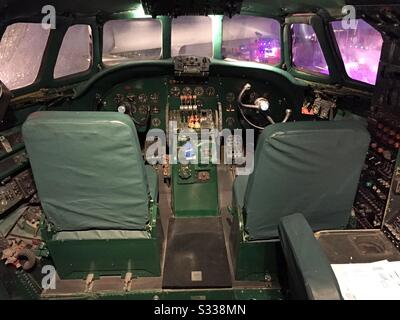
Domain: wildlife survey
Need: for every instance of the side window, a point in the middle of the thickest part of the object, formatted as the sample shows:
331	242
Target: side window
131	40
307	55
250	38
360	49
191	35
75	54
21	51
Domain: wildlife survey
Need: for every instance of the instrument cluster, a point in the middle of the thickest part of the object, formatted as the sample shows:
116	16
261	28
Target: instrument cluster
148	100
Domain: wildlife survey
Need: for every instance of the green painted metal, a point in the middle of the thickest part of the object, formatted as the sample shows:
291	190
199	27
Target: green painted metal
193	198
253	260
207	294
75	259
217	26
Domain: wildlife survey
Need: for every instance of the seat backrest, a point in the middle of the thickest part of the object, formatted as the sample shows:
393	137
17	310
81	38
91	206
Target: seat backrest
88	170
307	167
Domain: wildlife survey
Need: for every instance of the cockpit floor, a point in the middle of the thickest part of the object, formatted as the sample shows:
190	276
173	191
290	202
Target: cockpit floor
196	255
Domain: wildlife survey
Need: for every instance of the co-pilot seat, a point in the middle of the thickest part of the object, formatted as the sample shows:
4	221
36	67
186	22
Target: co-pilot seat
98	197
307	167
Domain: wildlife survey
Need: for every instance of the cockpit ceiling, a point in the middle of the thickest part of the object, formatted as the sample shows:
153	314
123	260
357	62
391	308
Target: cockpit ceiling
14	9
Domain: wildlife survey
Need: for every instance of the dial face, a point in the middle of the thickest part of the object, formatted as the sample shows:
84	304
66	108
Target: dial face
175	91
198	91
118	98
210	91
131	97
156	122
121	109
143	109
154	97
230	97
230	122
142	98
187	91
199	103
155	109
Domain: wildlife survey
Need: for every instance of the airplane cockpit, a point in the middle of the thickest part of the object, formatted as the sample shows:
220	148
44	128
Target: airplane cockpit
237	149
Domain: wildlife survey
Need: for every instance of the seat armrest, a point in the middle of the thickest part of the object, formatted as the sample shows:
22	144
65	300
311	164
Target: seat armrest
309	272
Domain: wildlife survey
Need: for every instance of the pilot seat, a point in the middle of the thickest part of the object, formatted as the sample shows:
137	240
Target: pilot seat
308	167
99	199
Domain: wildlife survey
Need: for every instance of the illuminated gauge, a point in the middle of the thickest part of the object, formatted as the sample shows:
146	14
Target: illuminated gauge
156	122
230	122
186	91
155	110
154	97
122	109
131	97
127	108
198	91
253	96
143	109
175	91
230	97
118	98
142	98
210	91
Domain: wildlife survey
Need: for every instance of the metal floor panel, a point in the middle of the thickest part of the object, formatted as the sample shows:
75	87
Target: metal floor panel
196	255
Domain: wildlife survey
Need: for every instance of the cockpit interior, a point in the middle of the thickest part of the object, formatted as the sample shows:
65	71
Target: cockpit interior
240	149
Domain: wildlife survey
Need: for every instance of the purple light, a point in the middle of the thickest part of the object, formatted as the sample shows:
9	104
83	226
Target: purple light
360	50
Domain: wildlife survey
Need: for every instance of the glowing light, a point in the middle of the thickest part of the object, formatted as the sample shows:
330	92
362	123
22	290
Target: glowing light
138	12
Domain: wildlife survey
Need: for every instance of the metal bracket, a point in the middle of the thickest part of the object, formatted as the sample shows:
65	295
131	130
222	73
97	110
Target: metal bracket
128	281
89	282
6	144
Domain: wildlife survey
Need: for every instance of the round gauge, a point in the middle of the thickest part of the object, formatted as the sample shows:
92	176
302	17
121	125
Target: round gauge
210	91
175	91
127	108
155	109
131	97
230	97
187	91
199	103
154	97
122	109
118	98
230	122
143	109
253	96
156	122
142	98
198	91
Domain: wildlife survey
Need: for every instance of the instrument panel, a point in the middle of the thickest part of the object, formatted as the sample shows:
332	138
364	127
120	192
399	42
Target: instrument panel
147	100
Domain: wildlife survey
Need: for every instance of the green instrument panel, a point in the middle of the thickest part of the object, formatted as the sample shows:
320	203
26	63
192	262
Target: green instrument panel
147	100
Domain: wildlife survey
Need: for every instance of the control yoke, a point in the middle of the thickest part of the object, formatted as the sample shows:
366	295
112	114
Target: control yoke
260	104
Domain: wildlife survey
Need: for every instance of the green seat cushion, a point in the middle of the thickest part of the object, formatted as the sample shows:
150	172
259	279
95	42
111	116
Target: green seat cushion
88	169
307	167
309	271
